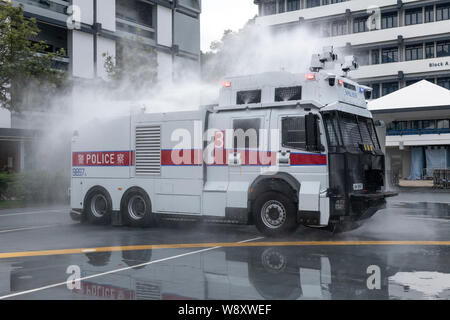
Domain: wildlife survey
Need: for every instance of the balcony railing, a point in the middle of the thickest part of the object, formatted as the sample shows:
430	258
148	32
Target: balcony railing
406	132
134	29
59	6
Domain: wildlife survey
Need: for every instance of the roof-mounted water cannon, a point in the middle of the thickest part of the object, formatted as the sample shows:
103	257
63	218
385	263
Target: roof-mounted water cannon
319	61
350	64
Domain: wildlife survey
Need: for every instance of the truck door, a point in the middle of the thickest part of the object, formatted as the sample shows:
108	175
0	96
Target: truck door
292	154
308	167
245	161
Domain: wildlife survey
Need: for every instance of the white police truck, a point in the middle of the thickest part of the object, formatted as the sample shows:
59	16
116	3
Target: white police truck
279	150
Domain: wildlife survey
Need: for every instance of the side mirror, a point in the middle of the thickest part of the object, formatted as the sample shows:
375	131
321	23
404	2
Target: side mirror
312	130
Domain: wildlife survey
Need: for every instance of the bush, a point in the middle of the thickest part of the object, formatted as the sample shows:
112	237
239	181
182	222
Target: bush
36	186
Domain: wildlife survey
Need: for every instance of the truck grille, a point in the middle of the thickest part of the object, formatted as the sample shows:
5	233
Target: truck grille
148	150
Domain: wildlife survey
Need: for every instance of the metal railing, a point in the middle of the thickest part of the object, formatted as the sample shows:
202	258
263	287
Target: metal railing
441	178
405	132
58	6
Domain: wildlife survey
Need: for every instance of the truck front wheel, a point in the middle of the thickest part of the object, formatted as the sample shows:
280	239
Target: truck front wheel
137	210
274	214
98	206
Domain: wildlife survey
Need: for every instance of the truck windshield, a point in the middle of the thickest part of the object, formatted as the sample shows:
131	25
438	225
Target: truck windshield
350	130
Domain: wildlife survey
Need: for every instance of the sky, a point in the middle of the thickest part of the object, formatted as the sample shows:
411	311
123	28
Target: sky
219	15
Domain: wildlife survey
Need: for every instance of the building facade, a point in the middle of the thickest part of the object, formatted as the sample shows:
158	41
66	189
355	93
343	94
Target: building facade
88	29
397	42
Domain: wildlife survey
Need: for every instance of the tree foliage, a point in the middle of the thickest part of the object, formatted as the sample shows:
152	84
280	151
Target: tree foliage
217	61
24	63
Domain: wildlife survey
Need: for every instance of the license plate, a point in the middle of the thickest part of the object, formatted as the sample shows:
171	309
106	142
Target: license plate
357	186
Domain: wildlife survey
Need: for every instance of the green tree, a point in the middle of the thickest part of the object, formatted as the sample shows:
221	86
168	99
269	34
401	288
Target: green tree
133	68
216	62
24	62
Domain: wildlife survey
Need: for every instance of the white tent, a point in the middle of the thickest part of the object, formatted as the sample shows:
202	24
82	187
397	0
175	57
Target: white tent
422	94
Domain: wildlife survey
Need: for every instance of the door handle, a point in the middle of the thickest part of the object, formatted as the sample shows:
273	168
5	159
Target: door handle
234	159
284	157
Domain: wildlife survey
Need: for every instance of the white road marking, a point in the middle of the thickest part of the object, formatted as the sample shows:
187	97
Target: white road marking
428	219
27	228
31	212
117	270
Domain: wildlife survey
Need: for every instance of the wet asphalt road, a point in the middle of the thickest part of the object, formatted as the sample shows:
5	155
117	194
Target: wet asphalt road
377	261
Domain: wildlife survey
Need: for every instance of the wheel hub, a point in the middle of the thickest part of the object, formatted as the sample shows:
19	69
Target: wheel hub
99	205
137	207
273	214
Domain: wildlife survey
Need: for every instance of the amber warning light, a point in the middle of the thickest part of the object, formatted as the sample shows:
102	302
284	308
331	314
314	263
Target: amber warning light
226	84
310	76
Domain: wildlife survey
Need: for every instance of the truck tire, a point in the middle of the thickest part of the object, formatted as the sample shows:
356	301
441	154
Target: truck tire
274	214
137	209
98	206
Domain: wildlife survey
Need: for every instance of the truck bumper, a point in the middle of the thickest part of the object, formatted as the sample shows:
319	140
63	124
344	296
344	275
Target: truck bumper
362	207
76	214
365	205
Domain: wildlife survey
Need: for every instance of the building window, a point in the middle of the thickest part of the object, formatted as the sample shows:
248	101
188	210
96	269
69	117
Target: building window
312	3
135	11
339	28
443	12
428	124
281	7
325	2
429	14
443	124
376	90
293	5
375	56
246	133
414	52
389	87
269	7
389	55
389	20
413	16
443	49
444	82
429	50
293	133
410	82
359	25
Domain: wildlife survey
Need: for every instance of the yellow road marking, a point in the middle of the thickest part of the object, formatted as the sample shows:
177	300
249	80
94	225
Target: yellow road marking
225	244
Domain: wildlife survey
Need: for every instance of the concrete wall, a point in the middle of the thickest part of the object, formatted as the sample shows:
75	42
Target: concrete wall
81	52
86	10
106	14
165	68
5	118
164	26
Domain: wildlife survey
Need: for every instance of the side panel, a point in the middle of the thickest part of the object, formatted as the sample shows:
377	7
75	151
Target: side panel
178	187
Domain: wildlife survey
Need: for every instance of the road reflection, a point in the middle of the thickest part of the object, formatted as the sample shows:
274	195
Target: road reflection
343	272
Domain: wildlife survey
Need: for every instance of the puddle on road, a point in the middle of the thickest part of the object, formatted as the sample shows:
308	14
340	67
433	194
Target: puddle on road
419	285
435	210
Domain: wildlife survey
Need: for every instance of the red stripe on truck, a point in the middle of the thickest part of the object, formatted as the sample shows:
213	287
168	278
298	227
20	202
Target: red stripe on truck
193	158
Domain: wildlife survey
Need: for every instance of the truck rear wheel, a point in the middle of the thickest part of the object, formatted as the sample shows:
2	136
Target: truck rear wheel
137	209
98	206
274	214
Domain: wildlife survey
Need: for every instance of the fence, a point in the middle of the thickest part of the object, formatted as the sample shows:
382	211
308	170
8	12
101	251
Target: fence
441	178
